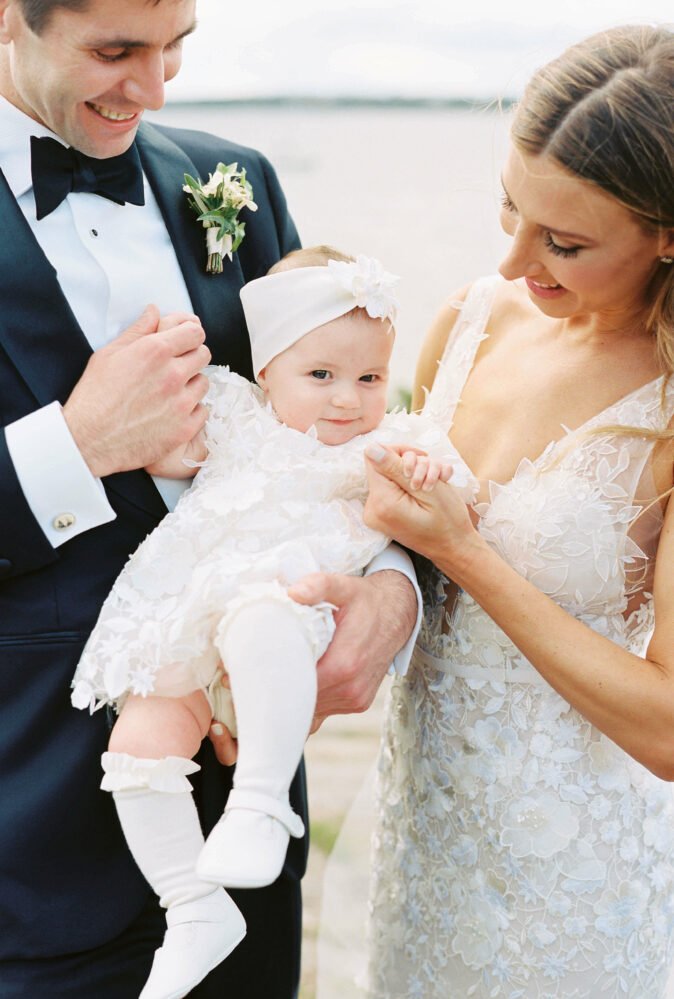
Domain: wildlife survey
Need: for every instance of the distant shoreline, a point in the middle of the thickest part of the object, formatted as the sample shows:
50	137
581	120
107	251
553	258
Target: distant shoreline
397	103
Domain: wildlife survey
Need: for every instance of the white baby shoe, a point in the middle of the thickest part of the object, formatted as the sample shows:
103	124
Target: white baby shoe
200	935
247	848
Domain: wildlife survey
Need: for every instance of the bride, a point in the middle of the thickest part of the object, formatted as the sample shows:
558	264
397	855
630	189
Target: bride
525	837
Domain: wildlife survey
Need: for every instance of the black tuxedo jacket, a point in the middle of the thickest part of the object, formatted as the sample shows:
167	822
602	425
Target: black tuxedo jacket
67	880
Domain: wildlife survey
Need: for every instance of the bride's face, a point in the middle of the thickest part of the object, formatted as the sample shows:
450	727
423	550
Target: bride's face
334	378
577	248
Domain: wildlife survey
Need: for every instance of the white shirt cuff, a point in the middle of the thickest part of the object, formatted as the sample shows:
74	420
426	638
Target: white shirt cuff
65	498
396	558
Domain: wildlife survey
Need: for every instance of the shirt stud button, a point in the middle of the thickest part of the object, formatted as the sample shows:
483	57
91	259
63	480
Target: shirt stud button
63	521
94	233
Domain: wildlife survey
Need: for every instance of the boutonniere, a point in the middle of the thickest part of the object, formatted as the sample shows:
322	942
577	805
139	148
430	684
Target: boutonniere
217	204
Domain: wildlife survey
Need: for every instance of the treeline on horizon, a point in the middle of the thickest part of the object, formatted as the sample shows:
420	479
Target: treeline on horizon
302	101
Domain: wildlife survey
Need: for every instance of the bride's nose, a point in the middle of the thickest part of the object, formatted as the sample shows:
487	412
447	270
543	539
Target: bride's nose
522	258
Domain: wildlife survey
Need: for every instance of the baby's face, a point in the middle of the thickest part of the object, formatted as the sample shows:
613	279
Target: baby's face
335	378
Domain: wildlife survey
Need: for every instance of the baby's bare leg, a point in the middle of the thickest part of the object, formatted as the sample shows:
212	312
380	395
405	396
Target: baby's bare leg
155	727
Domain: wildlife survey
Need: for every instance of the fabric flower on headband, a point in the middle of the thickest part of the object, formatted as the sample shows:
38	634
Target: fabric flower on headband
371	286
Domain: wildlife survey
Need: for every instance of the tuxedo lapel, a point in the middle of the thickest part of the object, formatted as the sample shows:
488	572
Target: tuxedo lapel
41	336
37	327
213	296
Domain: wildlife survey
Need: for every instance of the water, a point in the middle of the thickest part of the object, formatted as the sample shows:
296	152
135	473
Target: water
417	188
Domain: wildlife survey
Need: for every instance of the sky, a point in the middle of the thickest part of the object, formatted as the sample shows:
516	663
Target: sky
387	48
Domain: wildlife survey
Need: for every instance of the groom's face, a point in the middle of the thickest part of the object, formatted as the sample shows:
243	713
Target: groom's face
89	75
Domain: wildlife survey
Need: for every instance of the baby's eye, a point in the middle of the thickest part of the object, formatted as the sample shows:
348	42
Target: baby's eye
368	378
320	373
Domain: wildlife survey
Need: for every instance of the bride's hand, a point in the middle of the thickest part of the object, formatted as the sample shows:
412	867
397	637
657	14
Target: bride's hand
432	520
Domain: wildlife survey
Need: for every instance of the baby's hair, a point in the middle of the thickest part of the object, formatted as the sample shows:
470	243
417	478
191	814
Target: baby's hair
310	256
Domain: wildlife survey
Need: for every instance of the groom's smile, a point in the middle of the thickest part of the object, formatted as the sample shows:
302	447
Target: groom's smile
82	77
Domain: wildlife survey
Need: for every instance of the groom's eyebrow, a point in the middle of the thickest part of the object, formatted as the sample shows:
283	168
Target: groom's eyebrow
135	43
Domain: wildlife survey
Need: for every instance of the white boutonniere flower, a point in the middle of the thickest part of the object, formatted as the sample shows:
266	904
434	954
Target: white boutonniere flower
217	204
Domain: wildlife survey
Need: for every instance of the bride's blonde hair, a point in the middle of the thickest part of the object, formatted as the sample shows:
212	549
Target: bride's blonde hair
604	110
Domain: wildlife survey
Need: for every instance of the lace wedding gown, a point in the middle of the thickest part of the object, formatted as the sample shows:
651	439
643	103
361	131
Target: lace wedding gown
519	853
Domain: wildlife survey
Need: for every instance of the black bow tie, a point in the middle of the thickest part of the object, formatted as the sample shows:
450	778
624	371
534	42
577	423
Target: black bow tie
58	170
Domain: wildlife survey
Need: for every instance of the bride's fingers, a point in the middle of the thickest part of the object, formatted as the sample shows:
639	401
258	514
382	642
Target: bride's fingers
445	472
387	464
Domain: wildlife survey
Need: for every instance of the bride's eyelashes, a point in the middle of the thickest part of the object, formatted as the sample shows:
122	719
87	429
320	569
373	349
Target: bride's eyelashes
506	202
560	251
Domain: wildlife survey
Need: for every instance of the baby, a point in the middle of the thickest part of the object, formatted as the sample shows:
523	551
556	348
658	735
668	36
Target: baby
279	495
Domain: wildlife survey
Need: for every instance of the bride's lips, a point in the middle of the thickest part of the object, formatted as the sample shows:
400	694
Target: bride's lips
544	290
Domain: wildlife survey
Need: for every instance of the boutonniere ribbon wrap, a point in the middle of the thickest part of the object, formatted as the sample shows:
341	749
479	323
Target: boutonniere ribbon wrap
217	204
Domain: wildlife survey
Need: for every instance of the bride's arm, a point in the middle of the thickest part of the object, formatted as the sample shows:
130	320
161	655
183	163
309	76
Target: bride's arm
628	698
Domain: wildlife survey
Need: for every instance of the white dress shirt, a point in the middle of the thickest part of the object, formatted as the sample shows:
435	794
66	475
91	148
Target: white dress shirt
111	261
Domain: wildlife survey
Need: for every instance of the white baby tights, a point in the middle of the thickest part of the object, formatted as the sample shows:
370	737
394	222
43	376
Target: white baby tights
161	826
267	652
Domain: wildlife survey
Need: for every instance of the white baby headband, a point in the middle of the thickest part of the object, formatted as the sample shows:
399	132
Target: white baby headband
280	308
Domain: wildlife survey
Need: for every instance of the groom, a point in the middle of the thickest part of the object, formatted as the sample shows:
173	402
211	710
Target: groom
84	247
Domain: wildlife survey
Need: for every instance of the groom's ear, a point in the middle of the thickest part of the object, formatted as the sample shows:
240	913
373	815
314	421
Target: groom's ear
5	21
12	21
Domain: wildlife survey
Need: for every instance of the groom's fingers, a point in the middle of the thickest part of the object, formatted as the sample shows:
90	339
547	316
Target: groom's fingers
321	586
224	745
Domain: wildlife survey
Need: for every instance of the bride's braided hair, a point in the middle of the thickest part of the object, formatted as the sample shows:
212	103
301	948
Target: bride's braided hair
604	110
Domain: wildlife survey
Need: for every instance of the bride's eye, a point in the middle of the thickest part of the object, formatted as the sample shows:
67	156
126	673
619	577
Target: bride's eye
506	203
560	251
320	373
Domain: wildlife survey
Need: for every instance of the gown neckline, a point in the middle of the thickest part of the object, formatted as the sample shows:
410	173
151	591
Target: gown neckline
552	445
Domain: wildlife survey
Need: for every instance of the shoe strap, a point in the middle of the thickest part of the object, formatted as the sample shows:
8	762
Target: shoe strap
255	802
208	909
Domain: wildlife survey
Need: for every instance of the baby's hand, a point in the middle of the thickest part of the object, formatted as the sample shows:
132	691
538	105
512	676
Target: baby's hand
423	471
172	465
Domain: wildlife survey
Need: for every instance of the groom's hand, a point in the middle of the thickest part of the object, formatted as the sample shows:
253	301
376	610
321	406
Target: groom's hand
140	396
374	617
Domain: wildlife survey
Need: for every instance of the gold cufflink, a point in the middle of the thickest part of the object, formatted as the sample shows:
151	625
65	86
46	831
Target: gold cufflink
63	521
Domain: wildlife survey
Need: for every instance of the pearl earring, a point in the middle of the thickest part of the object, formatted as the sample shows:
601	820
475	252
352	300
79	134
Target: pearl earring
667	260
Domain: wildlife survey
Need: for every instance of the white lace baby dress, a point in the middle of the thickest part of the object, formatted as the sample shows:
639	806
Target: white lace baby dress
270	505
520	853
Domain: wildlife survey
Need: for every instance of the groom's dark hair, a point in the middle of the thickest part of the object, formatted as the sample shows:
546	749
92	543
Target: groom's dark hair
36	13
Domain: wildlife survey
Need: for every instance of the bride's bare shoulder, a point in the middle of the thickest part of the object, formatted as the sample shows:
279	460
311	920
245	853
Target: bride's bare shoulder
511	303
434	345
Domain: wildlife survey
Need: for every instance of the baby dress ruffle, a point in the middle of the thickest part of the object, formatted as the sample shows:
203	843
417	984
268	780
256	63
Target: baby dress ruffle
269	506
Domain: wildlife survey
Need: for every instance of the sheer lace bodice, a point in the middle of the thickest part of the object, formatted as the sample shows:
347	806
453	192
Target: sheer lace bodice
519	852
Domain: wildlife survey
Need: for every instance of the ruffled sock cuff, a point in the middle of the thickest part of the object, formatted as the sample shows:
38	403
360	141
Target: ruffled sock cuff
123	772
